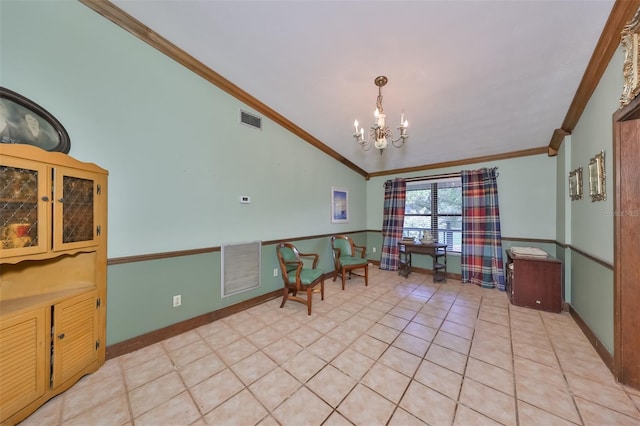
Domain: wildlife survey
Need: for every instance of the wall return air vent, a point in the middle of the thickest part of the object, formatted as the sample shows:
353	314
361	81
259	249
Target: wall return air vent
240	267
250	120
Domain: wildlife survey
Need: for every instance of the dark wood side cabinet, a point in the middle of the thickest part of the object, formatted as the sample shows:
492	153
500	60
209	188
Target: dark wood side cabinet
534	282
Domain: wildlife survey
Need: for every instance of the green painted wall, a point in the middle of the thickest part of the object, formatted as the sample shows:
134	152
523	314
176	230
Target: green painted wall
588	226
178	160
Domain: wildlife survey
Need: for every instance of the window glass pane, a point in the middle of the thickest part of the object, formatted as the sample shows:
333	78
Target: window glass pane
435	206
450	197
418	202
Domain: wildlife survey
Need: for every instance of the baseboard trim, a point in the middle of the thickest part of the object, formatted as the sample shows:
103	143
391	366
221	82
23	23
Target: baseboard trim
601	349
139	342
152	337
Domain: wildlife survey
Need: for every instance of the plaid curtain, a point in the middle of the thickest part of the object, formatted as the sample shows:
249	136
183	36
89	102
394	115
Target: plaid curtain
481	240
395	194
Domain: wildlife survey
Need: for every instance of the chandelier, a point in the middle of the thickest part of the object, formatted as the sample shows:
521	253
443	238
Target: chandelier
380	134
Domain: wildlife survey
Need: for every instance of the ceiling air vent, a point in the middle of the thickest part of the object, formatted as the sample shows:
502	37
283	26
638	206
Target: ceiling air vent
250	120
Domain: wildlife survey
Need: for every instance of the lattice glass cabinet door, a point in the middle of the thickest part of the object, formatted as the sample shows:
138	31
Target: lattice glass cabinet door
75	220
23	201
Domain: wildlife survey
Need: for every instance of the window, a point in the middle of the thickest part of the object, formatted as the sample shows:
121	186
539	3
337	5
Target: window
435	206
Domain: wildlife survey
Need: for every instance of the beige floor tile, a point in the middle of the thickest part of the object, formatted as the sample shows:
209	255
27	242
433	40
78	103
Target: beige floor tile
597	415
304	365
453	342
331	385
323	324
401	418
174	343
383	333
466	417
440	379
365	407
614	398
152	394
386	381
302	408
352	363
241	409
400	360
178	410
304	336
223	338
495	355
201	369
147	371
264	336
236	351
547	397
457	329
528	415
490	375
215	390
411	344
274	388
114	412
49	414
345	334
428	405
253	367
428	320
142	355
190	352
327	348
77	401
420	330
489	402
281	350
370	347
393	321
536	353
447	358
536	371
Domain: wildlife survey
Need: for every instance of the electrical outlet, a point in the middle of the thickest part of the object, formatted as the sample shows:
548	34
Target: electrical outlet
275	272
177	300
374	249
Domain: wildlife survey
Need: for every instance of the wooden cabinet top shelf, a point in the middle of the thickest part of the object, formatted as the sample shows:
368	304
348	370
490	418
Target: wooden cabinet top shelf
11	307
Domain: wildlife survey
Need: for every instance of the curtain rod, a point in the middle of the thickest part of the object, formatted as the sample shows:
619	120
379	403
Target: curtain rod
431	177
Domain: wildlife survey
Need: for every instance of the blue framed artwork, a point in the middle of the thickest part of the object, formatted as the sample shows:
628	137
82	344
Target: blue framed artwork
339	205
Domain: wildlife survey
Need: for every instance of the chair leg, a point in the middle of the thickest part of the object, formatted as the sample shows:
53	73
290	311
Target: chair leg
335	275
309	299
322	290
285	297
366	275
343	274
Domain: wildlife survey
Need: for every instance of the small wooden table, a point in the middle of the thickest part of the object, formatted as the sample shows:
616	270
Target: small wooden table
437	251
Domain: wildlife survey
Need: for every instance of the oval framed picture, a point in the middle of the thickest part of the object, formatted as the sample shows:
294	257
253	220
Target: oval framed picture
23	121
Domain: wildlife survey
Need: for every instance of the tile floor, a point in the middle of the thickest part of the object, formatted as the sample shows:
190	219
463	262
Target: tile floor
398	352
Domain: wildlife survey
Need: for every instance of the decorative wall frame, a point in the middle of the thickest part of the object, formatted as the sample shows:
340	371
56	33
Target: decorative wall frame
597	181
575	184
339	205
631	69
25	122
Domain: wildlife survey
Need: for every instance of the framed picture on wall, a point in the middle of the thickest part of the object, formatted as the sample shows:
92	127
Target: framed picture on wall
339	205
575	184
23	121
597	178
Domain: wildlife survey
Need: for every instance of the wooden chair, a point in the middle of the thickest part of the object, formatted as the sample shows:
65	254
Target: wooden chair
346	259
297	277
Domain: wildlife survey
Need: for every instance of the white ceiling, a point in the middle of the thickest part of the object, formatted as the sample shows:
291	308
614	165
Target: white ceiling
474	78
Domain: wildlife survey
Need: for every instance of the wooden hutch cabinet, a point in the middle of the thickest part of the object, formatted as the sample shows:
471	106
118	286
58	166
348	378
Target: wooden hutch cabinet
534	281
53	275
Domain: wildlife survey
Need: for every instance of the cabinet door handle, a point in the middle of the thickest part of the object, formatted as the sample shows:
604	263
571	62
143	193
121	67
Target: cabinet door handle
45	198
61	336
61	200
